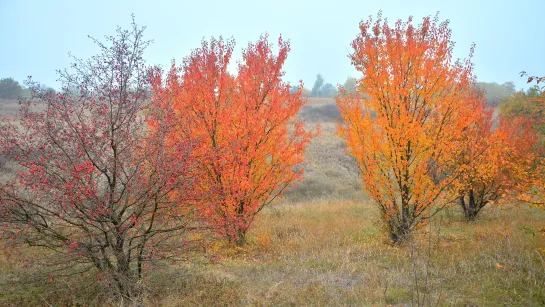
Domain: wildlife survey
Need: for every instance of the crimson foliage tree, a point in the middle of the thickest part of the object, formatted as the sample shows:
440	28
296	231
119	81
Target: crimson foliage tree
94	179
247	122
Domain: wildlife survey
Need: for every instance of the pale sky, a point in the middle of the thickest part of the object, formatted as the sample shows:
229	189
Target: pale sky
36	36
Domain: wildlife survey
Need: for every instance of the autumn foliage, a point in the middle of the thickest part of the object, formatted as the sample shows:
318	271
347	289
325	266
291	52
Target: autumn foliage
495	161
531	104
406	124
93	182
250	145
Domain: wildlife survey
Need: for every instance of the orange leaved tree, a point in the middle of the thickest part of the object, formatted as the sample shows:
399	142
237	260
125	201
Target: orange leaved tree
246	127
534	106
494	160
405	123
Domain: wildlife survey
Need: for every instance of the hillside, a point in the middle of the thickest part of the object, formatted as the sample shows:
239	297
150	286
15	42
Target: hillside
329	173
8	106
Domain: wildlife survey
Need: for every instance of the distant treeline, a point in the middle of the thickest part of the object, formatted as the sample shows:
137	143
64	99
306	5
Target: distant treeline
494	92
326	90
12	89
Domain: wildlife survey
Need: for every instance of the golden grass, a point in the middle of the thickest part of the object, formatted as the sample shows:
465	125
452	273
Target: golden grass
335	253
320	100
329	172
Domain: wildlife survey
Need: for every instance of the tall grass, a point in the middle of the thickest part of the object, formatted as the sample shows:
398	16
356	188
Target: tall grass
334	253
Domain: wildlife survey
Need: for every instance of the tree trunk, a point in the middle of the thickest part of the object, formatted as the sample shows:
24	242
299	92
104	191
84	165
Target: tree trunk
240	237
126	279
471	208
399	227
399	233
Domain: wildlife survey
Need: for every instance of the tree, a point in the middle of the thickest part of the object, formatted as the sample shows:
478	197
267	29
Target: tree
526	104
96	183
245	121
323	90
418	97
536	195
305	92
10	89
315	92
350	85
294	89
328	90
523	104
493	161
496	93
537	79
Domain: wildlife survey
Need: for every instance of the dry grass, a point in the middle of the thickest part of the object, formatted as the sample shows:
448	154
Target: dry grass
330	173
8	106
314	101
334	253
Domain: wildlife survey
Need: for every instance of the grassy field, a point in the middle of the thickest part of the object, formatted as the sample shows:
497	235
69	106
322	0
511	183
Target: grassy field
334	253
323	245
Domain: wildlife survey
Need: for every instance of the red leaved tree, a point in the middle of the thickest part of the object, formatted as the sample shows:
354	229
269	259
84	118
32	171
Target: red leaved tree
245	125
536	194
93	182
494	159
406	120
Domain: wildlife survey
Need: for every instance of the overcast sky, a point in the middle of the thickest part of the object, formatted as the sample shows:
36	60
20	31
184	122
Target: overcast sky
36	36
